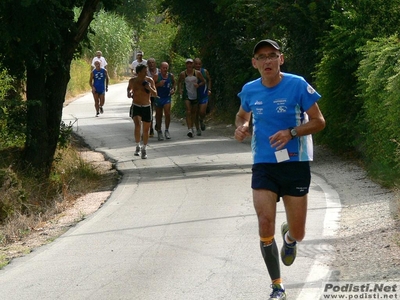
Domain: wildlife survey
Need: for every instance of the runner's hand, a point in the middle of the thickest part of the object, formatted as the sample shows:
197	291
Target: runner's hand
241	133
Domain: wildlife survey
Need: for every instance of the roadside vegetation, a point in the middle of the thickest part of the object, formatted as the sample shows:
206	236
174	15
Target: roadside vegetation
348	49
27	198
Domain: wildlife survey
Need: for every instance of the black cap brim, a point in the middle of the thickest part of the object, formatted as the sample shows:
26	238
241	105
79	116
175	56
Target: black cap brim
266	42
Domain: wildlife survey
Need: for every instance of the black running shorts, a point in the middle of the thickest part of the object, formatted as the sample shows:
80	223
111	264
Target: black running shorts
193	102
290	178
143	111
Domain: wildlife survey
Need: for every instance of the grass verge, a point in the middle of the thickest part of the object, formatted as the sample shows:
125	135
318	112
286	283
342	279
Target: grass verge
30	204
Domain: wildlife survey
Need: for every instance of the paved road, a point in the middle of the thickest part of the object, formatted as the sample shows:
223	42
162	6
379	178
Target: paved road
180	225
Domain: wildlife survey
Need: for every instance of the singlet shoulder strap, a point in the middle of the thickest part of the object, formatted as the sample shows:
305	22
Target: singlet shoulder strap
159	77
194	73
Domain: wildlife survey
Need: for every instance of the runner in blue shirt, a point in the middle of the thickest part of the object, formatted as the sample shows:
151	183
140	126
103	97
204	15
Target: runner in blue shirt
99	84
285	113
166	85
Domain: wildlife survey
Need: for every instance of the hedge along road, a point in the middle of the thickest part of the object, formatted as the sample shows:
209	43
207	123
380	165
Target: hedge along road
180	225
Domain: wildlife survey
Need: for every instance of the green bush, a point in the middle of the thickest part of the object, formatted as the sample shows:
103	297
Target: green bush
111	34
379	83
13	196
79	82
5	83
353	23
12	113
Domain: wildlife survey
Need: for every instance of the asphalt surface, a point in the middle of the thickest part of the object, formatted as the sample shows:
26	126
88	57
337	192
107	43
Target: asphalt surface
180	225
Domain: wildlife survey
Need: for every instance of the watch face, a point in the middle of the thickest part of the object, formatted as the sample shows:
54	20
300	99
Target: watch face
293	132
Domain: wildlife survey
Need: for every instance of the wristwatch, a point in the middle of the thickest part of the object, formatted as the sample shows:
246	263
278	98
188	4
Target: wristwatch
293	132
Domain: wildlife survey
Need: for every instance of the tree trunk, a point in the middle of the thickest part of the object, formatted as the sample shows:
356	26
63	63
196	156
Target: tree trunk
46	89
45	96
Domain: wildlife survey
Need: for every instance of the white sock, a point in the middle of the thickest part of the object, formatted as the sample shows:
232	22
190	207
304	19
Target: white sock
287	239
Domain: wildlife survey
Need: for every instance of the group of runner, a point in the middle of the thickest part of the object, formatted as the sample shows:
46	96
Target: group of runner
194	85
284	112
151	89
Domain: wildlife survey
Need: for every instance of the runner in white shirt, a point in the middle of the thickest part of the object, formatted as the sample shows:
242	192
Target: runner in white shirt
139	61
99	57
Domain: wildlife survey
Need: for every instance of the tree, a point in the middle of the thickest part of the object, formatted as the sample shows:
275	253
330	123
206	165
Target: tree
299	25
216	31
111	34
38	42
137	14
157	39
354	22
223	34
378	85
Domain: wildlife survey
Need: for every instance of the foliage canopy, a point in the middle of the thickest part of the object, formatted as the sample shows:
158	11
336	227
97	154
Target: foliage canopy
42	53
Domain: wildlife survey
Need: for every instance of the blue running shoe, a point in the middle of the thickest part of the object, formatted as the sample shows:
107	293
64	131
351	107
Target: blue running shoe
277	293
288	251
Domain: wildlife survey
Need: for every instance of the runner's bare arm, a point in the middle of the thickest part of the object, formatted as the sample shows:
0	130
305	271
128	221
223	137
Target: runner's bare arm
129	88
173	82
201	78
209	84
180	81
153	90
242	124
107	79
91	80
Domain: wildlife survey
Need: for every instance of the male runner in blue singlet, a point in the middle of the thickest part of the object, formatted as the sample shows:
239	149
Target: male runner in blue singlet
99	84
165	84
285	113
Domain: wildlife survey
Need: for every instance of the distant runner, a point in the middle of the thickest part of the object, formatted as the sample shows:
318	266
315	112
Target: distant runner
165	84
99	83
188	82
141	88
204	92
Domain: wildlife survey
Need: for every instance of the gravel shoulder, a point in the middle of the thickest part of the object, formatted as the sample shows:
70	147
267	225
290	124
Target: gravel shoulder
367	243
368	239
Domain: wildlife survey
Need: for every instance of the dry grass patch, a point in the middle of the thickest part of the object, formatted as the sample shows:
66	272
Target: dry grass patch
80	183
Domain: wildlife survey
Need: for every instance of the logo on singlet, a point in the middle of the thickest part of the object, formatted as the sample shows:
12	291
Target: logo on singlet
281	109
310	89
